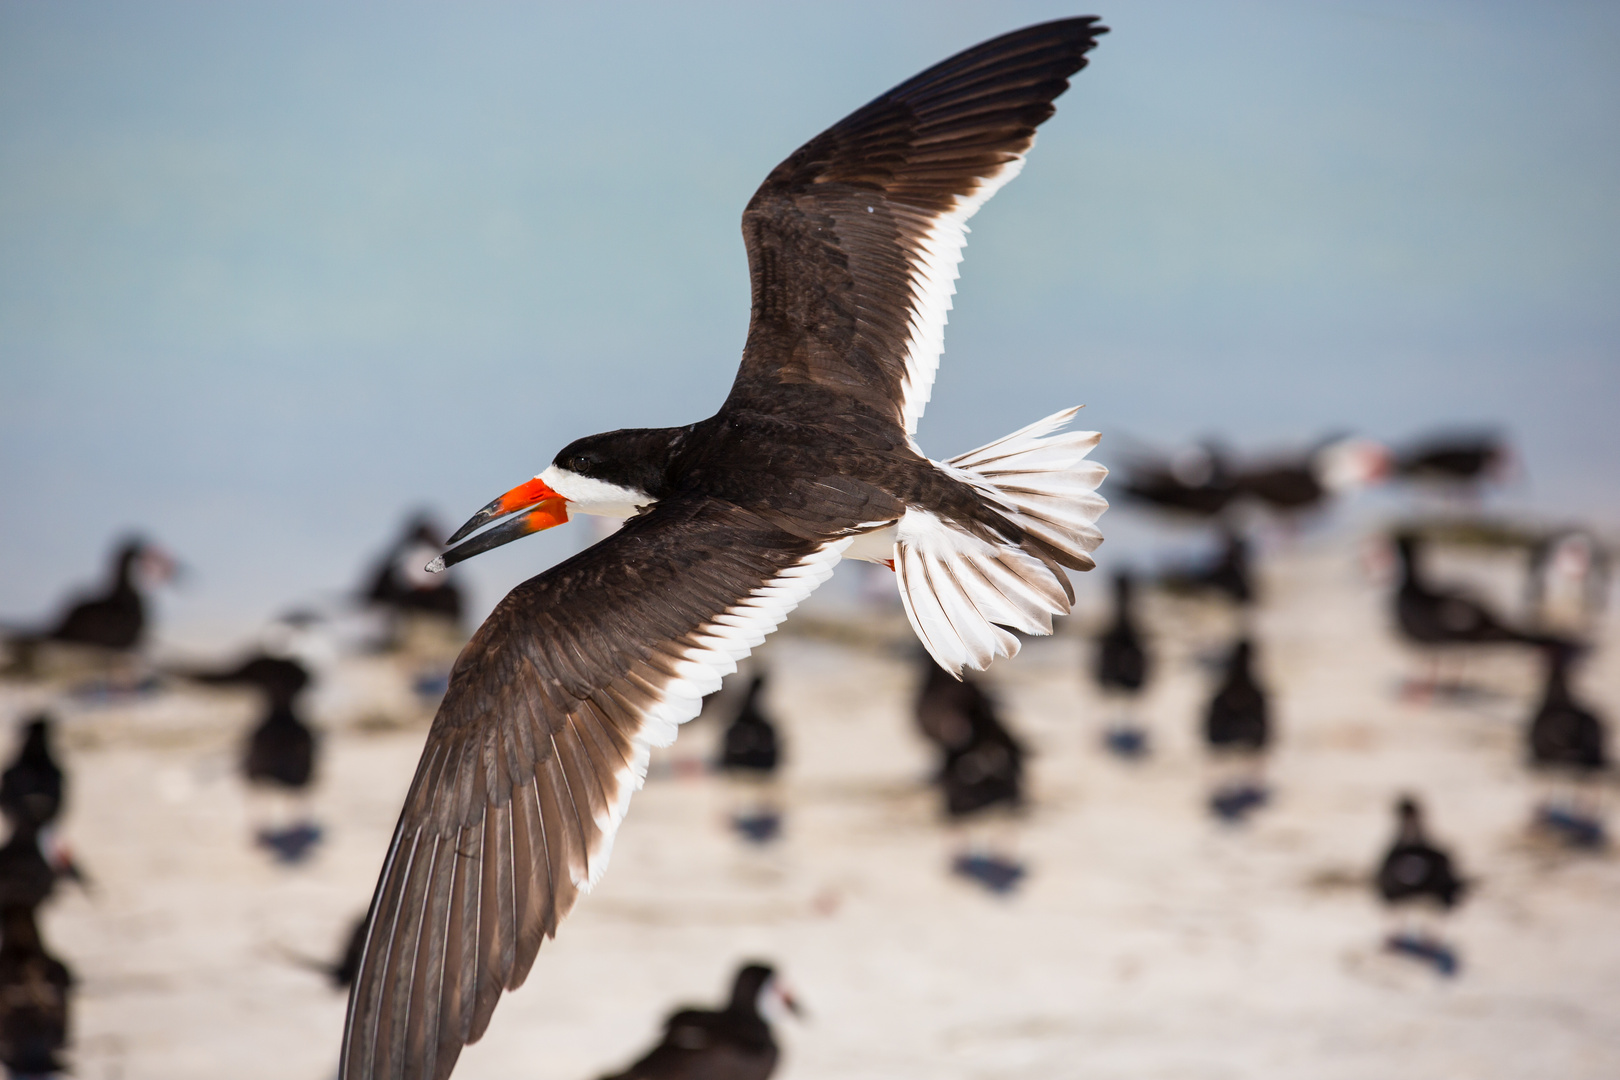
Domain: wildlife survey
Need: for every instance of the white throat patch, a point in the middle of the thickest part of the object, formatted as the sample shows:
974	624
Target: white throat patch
587	495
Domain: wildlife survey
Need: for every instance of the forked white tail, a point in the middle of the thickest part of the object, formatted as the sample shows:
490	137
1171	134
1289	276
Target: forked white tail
962	593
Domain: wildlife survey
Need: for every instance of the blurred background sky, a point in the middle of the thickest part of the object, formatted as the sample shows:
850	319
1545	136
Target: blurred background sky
272	275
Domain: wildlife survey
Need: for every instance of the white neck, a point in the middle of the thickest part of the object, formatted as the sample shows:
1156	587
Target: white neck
586	495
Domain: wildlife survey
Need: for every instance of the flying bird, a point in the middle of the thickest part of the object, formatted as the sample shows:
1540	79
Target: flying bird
730	522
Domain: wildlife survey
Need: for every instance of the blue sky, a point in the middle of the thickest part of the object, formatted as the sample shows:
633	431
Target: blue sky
272	274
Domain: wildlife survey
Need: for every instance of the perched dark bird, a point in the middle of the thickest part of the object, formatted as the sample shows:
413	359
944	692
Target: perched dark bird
27	877
1238	714
1565	734
1332	467
1229	574
1122	660
115	618
543	733
985	771
1456	458
733	1043
402	585
750	742
1196	482
280	749
31	786
1432	616
35	989
945	707
1415	869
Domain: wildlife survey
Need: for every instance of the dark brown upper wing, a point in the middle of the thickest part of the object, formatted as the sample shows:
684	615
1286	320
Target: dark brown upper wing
853	241
530	764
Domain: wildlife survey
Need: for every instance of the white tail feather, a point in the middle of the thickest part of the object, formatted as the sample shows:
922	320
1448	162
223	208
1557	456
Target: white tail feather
962	592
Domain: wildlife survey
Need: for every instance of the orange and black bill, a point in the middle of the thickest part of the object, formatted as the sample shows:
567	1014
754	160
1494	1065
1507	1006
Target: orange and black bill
544	508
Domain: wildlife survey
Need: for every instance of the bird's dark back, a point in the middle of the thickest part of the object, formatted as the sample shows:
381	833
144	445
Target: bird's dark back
1563	732
281	750
34	998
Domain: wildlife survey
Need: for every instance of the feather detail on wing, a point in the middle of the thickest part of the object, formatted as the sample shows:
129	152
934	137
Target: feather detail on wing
543	736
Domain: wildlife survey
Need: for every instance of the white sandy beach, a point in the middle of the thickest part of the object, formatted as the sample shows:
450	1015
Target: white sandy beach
1148	941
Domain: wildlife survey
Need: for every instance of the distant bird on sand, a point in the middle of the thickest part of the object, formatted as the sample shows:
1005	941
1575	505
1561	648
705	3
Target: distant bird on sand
750	751
35	990
1433	618
1417	872
981	770
1229	573
1121	667
1196	482
750	742
402	585
279	754
733	1043
1238	722
31	786
1568	740
27	875
115	618
1333	467
544	731
1462	459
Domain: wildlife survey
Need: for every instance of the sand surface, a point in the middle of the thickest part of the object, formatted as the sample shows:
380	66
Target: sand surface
1149	942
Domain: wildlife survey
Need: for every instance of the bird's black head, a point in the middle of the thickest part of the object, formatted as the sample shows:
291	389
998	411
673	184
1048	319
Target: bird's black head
755	982
1406	808
633	459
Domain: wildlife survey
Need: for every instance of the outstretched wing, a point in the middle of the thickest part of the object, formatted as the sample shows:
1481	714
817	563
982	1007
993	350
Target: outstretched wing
529	766
853	241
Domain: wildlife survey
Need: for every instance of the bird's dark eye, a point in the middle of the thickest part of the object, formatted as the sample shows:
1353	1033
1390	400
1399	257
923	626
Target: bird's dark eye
579	463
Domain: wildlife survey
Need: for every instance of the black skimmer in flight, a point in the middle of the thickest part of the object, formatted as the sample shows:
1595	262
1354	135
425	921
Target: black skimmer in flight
730	522
1418	874
279	754
1237	726
1570	742
112	621
31	786
733	1043
1121	667
750	752
35	990
402	585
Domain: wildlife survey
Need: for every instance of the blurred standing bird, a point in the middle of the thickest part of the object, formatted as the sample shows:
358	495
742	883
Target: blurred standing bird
34	998
980	775
101	630
733	1043
1195	482
27	875
1228	574
423	609
1121	669
750	752
1437	619
1418	875
1333	467
1458	461
1568	743
279	757
1237	728
31	786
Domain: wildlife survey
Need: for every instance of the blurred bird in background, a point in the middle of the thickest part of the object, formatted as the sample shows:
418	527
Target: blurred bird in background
750	754
1568	744
731	1043
1121	669
35	995
1237	730
1417	881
